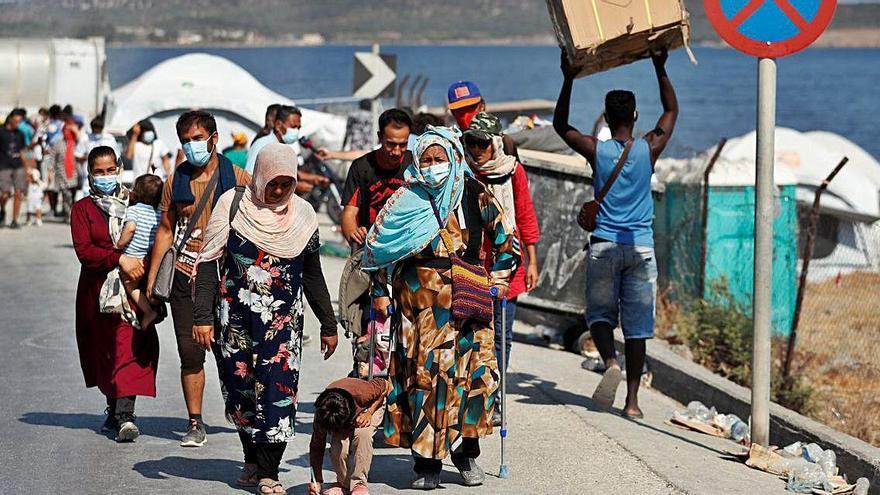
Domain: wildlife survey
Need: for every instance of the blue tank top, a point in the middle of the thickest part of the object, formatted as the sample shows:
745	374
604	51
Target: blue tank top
626	214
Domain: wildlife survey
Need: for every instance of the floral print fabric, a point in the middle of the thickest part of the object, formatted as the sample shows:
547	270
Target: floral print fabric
259	343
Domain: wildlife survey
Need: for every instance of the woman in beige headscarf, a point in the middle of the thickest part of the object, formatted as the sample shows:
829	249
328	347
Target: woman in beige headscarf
260	255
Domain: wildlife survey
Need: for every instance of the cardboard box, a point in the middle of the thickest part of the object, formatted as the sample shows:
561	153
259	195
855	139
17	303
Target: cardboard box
602	34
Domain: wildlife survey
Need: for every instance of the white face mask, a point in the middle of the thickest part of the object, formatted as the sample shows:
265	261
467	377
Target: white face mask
436	175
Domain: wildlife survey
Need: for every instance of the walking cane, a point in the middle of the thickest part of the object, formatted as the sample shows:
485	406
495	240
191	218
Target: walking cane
502	470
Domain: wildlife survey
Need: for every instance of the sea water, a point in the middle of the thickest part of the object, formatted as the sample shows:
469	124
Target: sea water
828	89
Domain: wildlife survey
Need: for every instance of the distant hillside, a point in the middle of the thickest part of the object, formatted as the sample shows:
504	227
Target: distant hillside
288	21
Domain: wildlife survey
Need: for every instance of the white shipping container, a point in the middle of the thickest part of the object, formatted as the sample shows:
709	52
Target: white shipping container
37	73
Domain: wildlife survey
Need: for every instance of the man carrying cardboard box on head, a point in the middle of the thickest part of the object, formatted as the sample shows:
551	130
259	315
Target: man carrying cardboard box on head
621	267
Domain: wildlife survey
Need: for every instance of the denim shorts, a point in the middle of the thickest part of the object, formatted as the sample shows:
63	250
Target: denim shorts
622	288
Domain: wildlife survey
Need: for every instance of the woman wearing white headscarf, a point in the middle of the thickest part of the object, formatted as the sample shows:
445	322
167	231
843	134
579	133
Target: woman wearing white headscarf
260	255
443	369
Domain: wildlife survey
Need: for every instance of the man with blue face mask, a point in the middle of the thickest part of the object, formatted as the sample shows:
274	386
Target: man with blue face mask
147	153
181	195
288	121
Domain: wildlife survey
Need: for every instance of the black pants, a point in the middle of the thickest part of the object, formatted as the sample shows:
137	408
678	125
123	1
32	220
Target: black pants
469	449
122	408
267	456
192	355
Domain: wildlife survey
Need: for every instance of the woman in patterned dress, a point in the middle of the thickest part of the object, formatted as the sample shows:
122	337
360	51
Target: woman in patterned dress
260	256
443	371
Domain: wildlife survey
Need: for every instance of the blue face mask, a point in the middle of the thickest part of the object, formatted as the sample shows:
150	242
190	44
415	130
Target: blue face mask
197	153
149	137
290	136
436	175
106	184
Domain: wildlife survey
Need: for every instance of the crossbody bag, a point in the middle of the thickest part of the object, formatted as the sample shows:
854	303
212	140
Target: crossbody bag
165	273
471	299
590	210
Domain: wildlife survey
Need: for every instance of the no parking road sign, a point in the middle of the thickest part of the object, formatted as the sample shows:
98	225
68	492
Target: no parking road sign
769	28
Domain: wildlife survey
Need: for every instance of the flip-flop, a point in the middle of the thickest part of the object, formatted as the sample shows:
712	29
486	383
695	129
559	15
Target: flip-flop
627	415
271	485
604	394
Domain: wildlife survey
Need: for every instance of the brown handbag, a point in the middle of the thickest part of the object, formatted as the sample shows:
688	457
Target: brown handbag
590	210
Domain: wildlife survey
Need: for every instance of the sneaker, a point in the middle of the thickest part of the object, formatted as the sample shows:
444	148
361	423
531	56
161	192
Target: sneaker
334	490
15	226
195	436
39	222
110	424
128	431
425	481
360	489
471	472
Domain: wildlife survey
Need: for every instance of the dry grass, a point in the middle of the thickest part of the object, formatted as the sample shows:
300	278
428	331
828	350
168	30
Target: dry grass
838	353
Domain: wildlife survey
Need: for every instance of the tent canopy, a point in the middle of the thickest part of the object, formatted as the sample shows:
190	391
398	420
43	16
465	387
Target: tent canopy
212	83
804	159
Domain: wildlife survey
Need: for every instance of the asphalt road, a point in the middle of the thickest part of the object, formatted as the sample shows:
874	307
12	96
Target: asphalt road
49	439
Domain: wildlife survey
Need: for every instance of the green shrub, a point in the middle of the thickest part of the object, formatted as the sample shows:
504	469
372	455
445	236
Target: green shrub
718	331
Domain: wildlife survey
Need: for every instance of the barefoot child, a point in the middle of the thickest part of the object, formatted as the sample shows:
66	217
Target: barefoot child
349	410
139	233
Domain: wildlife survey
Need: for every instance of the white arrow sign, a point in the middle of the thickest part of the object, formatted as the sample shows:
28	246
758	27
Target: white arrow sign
381	75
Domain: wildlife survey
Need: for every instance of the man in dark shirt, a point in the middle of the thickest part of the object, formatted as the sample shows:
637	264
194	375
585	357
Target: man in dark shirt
374	177
12	171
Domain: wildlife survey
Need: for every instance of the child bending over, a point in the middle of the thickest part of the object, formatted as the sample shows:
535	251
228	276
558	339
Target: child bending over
349	410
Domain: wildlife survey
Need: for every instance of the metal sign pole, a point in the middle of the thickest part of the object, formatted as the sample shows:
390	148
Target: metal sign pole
764	192
374	106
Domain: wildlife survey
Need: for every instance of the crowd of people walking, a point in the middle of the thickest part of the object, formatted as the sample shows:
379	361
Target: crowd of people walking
444	237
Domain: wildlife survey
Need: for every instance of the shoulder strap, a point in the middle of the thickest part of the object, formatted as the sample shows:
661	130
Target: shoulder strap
236	201
444	234
191	224
617	168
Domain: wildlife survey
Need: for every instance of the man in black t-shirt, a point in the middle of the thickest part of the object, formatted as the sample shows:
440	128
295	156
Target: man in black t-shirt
12	171
374	177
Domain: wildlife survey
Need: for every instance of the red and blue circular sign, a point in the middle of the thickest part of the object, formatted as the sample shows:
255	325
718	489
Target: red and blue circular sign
769	28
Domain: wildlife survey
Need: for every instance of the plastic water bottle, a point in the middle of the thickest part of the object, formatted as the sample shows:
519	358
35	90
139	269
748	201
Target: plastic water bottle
812	452
700	412
804	478
862	486
828	462
739	431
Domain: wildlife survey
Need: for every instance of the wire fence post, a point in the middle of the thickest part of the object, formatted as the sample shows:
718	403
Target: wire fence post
807	255
704	216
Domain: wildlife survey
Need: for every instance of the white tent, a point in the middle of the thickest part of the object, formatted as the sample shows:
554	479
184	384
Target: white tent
848	238
214	84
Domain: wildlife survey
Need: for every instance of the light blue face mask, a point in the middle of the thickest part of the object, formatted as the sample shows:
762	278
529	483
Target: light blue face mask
197	153
436	175
291	135
106	184
149	137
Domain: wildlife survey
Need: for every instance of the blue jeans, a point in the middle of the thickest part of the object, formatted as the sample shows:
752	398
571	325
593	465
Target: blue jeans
508	331
622	288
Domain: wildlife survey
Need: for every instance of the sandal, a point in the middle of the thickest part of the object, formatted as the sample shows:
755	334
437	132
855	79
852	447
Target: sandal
269	487
248	476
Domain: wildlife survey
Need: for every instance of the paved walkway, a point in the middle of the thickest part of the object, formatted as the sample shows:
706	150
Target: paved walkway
557	444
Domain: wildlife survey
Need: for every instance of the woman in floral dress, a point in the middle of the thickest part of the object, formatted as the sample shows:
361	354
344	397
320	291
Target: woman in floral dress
443	371
260	256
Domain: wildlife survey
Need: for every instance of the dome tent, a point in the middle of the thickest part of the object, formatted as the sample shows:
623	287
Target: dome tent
213	84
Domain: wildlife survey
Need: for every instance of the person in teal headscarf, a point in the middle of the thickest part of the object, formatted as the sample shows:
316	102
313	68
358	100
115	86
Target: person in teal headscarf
443	371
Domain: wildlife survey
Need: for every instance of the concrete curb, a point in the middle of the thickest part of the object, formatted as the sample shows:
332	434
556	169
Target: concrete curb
684	381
